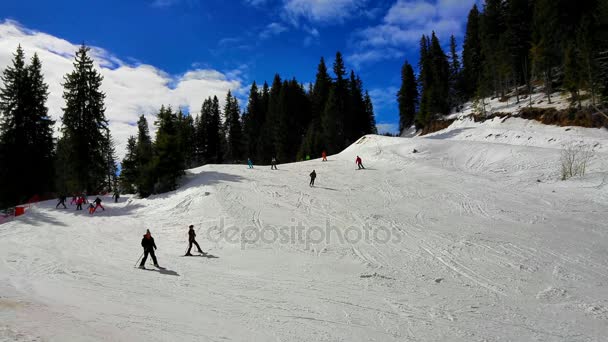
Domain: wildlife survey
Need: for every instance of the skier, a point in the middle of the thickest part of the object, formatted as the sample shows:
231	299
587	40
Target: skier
79	202
97	202
249	163
313	175
324	155
91	209
74	198
273	164
359	163
62	199
116	196
191	240
149	246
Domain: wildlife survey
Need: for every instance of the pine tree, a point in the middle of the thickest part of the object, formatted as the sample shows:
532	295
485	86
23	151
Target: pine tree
358	117
199	141
268	138
129	171
314	141
425	81
211	131
407	97
168	160
471	55
109	153
26	137
369	113
233	129
546	38
84	126
344	121
330	123
253	119
455	83
186	133
517	40
334	121
144	159
492	27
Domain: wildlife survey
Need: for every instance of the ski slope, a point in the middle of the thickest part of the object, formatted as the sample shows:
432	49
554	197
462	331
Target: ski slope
470	239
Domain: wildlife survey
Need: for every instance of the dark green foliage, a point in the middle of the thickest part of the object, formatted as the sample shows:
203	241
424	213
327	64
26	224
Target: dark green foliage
253	119
129	172
185	125
85	128
455	97
471	55
495	67
434	81
26	132
168	161
233	129
313	143
144	158
407	97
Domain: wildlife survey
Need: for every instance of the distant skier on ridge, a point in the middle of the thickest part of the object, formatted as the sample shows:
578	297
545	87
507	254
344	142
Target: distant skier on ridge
250	163
273	164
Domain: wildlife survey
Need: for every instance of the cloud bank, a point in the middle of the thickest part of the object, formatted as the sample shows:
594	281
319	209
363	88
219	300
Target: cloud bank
405	22
131	89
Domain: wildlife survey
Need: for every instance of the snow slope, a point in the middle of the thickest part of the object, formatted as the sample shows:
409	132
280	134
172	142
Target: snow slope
470	239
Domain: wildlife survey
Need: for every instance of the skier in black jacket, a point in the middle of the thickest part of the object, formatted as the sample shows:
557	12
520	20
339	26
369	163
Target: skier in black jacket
313	175
62	200
149	246
191	240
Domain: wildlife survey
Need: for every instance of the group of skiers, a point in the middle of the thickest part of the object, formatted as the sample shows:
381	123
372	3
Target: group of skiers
313	174
79	200
147	242
149	246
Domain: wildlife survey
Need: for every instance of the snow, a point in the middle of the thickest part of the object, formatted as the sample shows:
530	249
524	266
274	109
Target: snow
473	238
559	101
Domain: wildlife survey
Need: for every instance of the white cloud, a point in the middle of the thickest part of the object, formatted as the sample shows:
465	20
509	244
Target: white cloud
358	58
271	30
404	12
321	11
130	89
384	97
403	25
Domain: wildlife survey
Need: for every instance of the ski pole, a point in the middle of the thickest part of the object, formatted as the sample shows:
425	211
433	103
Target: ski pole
142	254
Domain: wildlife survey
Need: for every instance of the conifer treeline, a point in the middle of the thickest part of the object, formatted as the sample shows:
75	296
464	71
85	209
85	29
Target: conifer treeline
82	160
283	121
291	123
508	46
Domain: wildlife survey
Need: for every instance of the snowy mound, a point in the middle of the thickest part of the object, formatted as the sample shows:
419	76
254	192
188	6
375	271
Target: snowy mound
471	238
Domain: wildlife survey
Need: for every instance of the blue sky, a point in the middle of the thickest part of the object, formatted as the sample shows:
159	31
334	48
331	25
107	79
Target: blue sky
236	42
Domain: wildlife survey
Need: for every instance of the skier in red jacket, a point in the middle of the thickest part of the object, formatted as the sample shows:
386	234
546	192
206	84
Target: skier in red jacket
324	155
359	163
79	202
